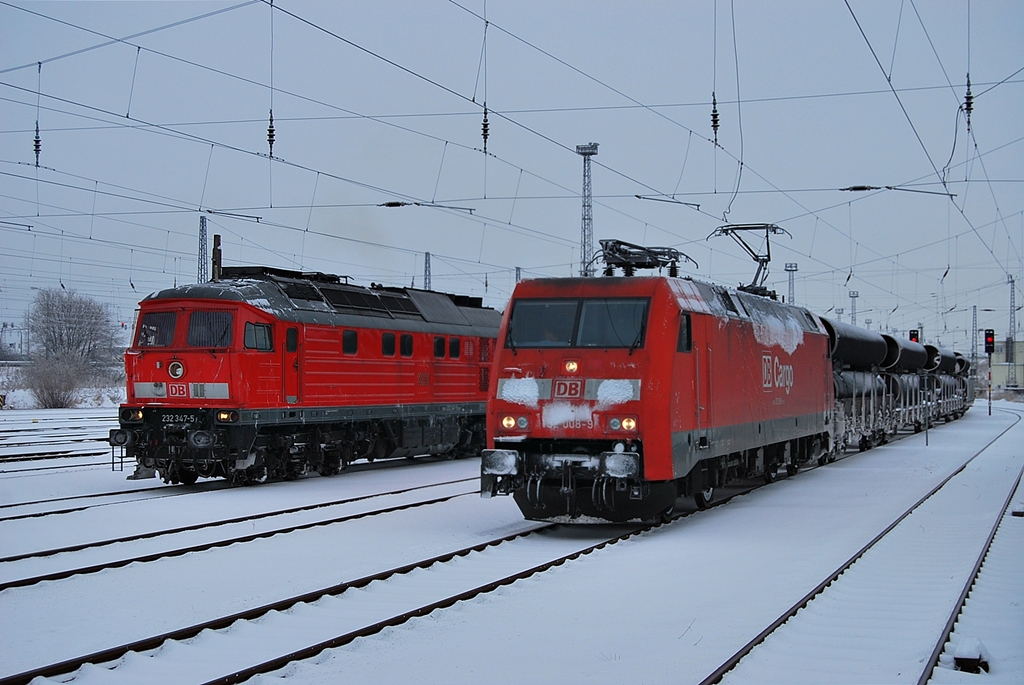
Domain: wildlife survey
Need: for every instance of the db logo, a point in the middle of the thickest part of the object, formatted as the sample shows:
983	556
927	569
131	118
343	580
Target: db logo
572	390
775	374
177	390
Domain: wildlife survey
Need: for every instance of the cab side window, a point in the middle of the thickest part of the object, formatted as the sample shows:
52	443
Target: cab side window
685	341
258	337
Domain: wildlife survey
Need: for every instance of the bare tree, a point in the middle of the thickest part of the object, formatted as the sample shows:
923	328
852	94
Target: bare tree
63	324
77	342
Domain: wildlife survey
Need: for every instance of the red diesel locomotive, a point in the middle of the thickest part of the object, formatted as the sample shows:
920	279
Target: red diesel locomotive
269	373
612	397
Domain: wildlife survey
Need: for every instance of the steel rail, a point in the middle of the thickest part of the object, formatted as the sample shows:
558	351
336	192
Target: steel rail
717	675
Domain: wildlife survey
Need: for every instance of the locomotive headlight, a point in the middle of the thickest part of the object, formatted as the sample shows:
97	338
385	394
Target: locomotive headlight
522	422
176	369
119	437
508	422
572	366
615	424
227	416
130	415
629	424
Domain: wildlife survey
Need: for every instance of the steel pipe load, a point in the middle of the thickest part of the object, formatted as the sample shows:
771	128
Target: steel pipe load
903	355
850	384
963	364
940	360
853	347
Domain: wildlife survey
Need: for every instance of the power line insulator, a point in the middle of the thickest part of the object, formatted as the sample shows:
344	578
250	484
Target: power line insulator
270	133
714	116
968	102
485	130
37	144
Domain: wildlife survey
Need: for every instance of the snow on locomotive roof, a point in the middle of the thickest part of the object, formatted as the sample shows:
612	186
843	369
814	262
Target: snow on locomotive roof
315	297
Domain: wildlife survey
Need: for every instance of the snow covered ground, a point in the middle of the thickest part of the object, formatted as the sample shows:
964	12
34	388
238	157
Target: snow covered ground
20	398
666	606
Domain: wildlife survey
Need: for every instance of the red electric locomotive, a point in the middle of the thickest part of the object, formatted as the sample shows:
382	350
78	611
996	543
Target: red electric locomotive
612	397
268	373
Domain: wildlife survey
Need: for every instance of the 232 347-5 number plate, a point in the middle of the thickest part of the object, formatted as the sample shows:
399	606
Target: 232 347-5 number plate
178	417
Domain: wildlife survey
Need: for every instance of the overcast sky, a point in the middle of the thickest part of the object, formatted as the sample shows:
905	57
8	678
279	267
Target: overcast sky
151	114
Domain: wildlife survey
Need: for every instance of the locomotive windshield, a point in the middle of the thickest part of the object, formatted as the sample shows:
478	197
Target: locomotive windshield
603	322
210	329
156	329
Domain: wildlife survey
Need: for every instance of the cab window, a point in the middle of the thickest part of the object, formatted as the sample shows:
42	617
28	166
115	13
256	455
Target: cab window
685	342
210	329
258	337
156	329
591	322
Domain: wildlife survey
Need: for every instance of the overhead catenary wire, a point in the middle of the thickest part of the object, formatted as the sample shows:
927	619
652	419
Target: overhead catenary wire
518	196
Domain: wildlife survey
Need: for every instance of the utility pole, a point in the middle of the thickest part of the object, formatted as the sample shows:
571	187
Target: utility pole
426	271
839	314
974	339
587	230
519	273
204	272
216	257
791	269
853	306
1011	357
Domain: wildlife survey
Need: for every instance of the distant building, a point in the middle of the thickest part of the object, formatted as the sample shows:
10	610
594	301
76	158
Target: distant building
1001	369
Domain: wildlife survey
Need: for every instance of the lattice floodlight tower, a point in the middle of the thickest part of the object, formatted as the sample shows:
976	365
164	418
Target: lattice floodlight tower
587	229
736	231
630	257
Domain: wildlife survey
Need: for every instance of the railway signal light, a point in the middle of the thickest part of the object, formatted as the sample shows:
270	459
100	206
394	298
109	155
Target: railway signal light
915	335
990	341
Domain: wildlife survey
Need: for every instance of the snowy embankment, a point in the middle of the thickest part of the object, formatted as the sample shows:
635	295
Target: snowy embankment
20	398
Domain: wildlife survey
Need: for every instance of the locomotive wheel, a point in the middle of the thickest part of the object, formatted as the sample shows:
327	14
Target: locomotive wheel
822	460
703	498
792	469
188	476
771	473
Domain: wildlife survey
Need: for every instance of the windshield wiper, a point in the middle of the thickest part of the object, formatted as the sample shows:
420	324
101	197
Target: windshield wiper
639	334
509	342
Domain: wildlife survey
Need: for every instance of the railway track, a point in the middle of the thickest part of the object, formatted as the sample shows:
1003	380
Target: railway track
909	564
483	569
28	435
233	647
9	573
